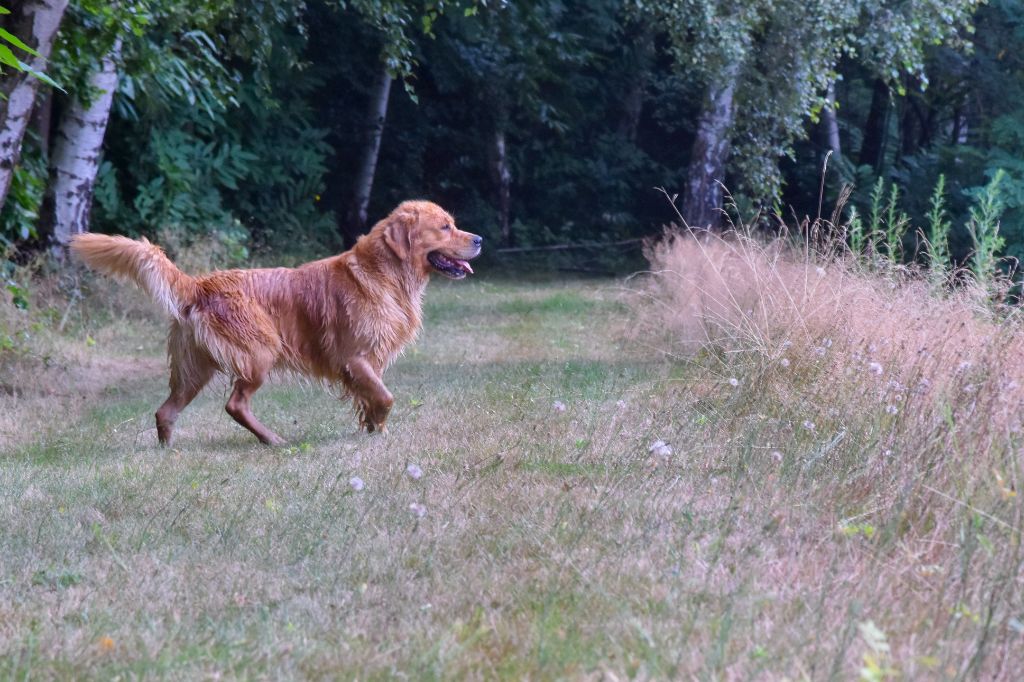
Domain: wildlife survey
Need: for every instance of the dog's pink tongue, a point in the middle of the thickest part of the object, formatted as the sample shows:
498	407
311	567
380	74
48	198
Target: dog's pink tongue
464	265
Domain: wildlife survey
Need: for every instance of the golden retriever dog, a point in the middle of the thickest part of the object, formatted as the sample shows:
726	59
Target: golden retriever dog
342	319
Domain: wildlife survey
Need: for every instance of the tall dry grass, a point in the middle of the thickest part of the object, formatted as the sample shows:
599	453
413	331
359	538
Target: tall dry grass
889	409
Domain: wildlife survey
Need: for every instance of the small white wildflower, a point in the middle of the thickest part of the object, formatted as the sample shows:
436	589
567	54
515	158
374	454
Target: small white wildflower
820	351
891	409
898	397
660	448
356	483
414	471
964	366
875	368
734	382
827	343
784	362
887	453
809	425
872	348
786	344
418	510
621	404
776	455
558	406
820	270
969	388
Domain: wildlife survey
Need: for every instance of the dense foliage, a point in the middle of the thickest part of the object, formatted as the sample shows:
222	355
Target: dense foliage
535	122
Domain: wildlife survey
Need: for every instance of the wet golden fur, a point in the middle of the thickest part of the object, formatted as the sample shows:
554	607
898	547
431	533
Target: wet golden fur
342	319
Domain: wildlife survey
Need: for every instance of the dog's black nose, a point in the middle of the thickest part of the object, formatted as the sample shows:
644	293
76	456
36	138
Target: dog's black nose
478	241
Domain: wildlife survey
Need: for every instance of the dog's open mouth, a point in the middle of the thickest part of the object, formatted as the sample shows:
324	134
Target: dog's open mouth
454	268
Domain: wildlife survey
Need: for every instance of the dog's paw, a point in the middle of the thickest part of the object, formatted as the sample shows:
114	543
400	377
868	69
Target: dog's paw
371	427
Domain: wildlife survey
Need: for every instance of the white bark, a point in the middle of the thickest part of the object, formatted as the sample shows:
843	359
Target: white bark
502	176
76	154
36	24
703	197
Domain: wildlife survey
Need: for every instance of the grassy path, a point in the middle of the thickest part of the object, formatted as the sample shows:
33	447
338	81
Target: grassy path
224	556
537	543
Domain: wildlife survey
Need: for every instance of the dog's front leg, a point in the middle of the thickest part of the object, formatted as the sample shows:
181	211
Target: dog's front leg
373	399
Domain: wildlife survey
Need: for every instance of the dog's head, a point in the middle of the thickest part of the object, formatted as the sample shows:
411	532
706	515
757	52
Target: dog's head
423	235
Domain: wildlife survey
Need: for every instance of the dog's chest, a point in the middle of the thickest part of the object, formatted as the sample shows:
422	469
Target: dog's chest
388	323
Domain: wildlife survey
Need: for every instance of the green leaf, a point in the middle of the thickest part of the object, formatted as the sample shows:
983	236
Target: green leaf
7	57
41	76
13	39
4	10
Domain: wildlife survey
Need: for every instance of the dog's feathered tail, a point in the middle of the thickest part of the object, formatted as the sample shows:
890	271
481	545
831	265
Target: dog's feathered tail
140	261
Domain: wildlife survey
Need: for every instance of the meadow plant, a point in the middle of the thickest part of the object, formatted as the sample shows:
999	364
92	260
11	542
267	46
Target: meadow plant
896	224
983	227
938	244
898	412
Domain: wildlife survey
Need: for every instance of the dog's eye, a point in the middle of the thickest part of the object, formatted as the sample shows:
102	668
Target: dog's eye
446	227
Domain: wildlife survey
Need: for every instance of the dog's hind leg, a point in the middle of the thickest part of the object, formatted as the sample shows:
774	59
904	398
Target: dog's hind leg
239	407
190	372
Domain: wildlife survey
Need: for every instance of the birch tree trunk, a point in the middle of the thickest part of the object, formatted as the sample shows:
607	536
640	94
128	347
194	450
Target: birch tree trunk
502	177
35	22
703	196
76	155
376	114
828	115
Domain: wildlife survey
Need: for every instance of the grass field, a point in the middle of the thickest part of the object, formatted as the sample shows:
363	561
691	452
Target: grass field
543	539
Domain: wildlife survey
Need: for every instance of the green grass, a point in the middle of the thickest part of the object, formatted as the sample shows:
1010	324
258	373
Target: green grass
554	545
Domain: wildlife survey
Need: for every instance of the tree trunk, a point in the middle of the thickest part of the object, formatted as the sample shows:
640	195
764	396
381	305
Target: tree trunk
42	118
831	121
703	199
908	125
632	108
958	134
35	22
76	155
376	113
873	148
502	177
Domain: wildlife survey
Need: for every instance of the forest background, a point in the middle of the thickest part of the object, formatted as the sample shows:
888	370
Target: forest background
272	124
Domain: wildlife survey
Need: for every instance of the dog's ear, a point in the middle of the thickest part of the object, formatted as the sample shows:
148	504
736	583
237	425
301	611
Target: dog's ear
398	233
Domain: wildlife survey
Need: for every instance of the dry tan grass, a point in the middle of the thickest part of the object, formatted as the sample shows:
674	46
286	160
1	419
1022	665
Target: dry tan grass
887	414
